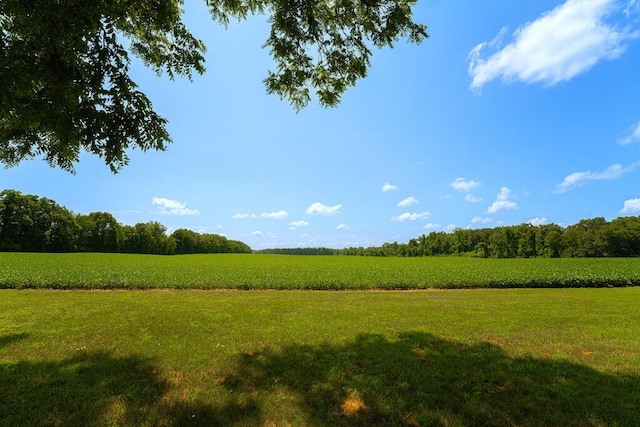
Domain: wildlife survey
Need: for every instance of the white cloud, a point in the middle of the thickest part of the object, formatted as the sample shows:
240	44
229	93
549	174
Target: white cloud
481	220
172	207
537	221
408	202
257	233
297	224
631	207
578	179
556	47
502	203
472	199
320	209
274	215
411	216
451	227
206	229
343	227
267	215
500	206
243	216
633	4
432	226
389	187
633	136
461	184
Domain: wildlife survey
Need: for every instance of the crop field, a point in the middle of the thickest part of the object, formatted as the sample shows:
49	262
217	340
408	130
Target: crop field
252	271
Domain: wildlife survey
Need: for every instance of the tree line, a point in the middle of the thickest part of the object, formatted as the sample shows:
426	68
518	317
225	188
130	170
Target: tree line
30	223
595	237
36	224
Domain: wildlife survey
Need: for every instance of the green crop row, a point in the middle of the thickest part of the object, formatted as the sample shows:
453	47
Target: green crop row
251	271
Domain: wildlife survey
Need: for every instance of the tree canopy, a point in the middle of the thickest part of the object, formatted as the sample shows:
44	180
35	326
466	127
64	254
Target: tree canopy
65	87
594	237
36	224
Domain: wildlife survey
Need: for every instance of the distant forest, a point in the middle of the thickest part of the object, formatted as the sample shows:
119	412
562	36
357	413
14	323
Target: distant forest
588	238
36	224
33	224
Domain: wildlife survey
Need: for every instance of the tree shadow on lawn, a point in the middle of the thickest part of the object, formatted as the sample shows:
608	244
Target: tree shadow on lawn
99	389
10	339
416	379
419	379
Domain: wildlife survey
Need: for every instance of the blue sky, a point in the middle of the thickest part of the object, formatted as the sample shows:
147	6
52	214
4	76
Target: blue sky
510	112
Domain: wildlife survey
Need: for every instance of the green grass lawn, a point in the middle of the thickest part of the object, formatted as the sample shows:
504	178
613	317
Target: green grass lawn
252	271
275	358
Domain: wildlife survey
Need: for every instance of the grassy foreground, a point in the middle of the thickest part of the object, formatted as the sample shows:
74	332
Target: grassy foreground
251	271
276	358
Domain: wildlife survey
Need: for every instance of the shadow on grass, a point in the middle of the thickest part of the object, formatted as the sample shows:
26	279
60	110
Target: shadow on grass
10	339
98	389
415	379
419	379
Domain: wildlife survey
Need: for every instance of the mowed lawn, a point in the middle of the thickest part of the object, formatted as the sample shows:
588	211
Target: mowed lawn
277	358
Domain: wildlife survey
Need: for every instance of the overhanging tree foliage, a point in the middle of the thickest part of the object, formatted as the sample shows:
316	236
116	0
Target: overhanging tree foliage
64	83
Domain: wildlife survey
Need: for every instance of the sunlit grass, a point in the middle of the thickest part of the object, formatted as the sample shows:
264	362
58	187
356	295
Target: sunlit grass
457	357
